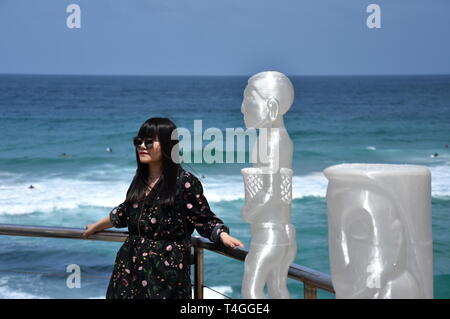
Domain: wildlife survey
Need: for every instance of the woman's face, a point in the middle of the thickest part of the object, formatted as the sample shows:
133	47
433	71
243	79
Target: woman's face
152	155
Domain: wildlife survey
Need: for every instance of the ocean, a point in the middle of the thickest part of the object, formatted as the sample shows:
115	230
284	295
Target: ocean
55	131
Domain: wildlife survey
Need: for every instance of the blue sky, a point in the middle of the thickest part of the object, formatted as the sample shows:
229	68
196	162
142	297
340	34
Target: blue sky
225	37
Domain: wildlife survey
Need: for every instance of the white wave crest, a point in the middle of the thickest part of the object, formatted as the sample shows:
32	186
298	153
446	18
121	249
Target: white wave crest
440	180
57	193
226	187
8	293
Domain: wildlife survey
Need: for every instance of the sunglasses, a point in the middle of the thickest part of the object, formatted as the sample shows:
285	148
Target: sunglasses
148	142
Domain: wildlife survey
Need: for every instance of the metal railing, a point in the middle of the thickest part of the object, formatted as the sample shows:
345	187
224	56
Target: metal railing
311	279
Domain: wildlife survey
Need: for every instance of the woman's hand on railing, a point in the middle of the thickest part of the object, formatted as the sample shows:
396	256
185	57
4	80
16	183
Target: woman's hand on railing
102	224
90	229
230	241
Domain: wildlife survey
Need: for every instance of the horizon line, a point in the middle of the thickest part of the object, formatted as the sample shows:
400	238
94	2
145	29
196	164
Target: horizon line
221	75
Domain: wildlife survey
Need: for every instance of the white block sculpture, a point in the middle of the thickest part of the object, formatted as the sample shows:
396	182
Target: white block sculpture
379	230
268	187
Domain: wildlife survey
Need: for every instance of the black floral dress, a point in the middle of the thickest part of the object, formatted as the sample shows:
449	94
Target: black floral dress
152	262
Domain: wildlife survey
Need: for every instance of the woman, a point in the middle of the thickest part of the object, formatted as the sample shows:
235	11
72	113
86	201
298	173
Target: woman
160	211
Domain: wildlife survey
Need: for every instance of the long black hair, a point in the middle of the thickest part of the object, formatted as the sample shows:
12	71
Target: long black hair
162	129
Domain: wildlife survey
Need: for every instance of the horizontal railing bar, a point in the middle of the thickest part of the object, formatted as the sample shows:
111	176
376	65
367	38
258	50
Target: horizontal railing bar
60	232
296	272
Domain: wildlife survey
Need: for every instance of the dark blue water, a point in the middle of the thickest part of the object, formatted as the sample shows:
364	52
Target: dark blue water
55	131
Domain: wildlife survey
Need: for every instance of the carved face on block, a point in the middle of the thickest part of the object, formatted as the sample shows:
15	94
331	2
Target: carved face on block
365	239
379	230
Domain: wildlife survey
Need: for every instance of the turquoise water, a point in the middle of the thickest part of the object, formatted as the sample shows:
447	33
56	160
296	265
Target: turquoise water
334	120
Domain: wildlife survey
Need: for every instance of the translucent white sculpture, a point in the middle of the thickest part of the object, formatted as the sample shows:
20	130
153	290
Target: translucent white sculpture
268	187
379	230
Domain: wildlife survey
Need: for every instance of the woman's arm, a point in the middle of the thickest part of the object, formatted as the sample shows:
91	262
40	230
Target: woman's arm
200	215
118	217
102	224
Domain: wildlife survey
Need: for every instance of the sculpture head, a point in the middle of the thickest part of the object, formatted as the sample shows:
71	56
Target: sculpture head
267	97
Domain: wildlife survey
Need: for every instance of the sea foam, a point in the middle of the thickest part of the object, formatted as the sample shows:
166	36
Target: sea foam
58	193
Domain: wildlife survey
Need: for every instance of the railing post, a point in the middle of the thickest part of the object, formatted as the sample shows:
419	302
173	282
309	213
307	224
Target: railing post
309	291
198	272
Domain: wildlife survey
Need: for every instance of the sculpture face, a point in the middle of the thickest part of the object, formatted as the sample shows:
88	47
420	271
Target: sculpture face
267	97
254	108
379	230
366	240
